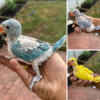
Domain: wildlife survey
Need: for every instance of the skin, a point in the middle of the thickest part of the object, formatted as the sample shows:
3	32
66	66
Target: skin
85	83
78	82
53	84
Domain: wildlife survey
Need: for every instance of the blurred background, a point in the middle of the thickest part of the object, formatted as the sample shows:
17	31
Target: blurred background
42	19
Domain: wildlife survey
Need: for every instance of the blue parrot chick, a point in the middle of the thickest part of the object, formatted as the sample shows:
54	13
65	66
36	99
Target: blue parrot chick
83	21
27	48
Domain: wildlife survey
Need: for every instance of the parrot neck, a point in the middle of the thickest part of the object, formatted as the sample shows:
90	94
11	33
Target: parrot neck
12	40
75	66
13	37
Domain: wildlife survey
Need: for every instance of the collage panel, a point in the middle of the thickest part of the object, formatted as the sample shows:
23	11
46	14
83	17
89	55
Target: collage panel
83	75
83	24
33	50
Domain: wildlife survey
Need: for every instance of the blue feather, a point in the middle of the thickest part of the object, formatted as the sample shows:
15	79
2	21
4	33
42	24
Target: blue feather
29	53
59	43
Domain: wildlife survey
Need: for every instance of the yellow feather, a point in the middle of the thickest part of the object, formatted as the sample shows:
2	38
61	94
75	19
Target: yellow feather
24	67
86	69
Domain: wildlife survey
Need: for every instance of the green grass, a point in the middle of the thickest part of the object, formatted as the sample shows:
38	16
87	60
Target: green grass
96	68
94	10
89	2
94	63
48	22
86	54
10	5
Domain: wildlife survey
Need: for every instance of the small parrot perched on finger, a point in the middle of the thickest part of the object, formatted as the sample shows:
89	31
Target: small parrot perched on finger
81	72
29	49
83	21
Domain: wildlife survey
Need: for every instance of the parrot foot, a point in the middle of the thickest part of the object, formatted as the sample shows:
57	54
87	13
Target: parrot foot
34	80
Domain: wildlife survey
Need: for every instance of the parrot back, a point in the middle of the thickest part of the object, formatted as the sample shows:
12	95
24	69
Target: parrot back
83	22
83	75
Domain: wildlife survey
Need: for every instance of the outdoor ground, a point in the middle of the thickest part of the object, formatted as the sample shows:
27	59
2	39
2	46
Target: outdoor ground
12	87
45	20
83	41
94	10
93	63
81	93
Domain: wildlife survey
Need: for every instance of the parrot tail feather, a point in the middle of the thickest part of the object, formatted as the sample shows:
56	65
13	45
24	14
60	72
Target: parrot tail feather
59	43
97	28
96	79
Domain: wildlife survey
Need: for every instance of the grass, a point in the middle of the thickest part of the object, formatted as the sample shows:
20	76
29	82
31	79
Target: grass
86	54
94	10
44	20
89	2
11	5
94	63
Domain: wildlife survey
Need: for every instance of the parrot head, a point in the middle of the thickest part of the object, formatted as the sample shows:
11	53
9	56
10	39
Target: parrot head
75	13
11	27
72	61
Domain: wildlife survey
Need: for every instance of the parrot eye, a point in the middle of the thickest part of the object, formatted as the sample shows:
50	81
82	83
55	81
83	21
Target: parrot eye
7	27
72	61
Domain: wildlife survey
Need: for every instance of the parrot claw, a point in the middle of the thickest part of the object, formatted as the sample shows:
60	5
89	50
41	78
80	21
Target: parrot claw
34	80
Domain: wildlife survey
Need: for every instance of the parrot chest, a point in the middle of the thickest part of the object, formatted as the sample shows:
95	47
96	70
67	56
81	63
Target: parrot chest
9	50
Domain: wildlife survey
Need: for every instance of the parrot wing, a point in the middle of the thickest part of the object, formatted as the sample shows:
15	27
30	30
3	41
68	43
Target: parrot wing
84	75
86	69
83	21
29	48
82	14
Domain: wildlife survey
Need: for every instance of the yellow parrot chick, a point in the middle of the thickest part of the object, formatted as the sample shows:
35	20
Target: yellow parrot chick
81	72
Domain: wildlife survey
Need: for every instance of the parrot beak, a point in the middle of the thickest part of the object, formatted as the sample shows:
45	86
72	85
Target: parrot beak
2	31
69	64
72	15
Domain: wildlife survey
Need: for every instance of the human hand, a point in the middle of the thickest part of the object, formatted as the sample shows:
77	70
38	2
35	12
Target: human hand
78	82
53	84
